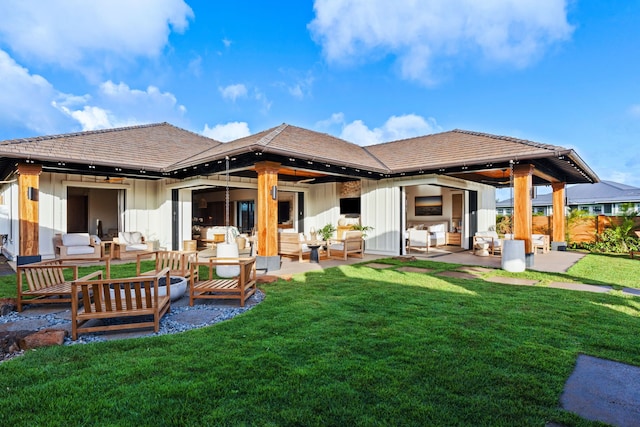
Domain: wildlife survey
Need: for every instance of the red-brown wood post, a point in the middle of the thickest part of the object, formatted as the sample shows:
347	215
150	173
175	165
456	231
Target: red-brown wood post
268	211
522	215
28	207
559	220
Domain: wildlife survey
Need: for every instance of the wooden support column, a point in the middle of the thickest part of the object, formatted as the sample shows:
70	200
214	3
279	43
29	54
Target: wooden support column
522	216
267	209
558	212
29	220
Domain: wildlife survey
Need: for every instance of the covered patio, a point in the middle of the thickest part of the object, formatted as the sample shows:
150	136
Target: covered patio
168	164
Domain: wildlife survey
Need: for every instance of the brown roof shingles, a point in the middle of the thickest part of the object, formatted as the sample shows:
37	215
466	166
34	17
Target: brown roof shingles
163	147
296	142
456	148
150	147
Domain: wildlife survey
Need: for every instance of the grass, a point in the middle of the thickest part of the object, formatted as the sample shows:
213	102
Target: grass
346	346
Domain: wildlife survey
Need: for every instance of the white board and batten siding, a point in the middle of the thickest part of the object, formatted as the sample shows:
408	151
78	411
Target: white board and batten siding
322	206
380	209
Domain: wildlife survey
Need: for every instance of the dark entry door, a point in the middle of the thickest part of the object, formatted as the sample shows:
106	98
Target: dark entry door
77	213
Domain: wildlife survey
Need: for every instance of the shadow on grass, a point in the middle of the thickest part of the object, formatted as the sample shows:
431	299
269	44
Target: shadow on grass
348	345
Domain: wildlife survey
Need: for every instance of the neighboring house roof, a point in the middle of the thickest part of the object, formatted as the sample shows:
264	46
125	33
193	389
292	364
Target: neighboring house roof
157	150
588	194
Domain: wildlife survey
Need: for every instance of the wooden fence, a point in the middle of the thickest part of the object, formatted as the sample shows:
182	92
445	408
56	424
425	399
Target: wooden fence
582	229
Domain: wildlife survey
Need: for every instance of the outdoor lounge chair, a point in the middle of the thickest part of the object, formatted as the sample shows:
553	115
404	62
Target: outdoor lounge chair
130	244
293	244
541	241
77	245
352	244
240	287
127	299
47	283
490	238
178	263
418	239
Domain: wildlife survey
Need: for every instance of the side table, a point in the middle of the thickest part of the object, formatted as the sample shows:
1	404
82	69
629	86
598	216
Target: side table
313	255
106	248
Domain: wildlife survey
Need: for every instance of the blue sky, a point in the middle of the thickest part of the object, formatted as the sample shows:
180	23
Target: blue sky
552	71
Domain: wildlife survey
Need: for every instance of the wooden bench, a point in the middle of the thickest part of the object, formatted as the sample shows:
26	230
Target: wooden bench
49	282
103	299
178	262
240	287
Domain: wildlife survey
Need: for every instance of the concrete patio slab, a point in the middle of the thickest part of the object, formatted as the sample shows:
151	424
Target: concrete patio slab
603	390
631	291
458	275
415	270
580	287
552	262
476	270
511	281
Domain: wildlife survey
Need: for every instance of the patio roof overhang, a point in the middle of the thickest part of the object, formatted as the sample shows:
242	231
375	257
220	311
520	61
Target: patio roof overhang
310	165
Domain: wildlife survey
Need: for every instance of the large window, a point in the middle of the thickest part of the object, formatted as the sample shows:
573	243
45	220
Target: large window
246	215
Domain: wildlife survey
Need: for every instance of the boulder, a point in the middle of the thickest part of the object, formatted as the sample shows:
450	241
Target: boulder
7	305
43	338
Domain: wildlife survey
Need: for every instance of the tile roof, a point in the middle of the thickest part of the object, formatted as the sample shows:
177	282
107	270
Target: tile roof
150	147
455	148
293	141
163	148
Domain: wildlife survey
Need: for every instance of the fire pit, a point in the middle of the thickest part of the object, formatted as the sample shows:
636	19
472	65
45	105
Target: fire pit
178	287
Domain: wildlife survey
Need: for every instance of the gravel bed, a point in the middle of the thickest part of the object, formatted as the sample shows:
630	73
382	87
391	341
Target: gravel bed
169	324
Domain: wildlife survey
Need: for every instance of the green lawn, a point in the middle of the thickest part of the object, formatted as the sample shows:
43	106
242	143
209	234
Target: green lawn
347	346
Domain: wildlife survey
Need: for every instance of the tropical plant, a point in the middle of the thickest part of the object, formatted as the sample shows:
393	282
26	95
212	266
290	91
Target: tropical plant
503	224
364	228
619	238
574	218
327	231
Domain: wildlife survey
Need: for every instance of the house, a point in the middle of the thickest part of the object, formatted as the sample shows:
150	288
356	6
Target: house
165	182
602	198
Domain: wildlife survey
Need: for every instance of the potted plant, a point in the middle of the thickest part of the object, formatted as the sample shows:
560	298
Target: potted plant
364	228
326	232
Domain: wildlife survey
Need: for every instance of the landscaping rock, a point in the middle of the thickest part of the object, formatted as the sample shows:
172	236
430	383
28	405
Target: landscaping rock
43	338
7	305
10	342
266	279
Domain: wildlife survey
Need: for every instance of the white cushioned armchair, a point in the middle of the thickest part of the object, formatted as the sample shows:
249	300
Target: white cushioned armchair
130	244
490	238
77	245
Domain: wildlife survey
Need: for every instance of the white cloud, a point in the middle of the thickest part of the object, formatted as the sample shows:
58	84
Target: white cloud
419	33
116	105
92	118
395	128
69	33
26	99
233	92
302	86
335	119
262	98
226	42
227	132
195	66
